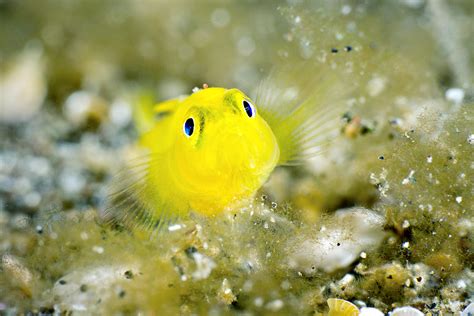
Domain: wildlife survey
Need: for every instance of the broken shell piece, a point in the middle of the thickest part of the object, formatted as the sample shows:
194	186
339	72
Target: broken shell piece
18	274
338	307
406	311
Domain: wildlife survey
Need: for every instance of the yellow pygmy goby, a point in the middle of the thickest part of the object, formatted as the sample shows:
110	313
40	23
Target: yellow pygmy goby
215	148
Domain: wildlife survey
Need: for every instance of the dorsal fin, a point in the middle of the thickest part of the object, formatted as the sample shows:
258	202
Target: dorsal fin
167	106
146	112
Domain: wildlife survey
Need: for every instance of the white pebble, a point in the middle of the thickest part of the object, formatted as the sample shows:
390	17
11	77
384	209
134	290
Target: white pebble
459	199
274	305
99	250
470	139
175	227
455	95
346	9
406	311
370	311
120	113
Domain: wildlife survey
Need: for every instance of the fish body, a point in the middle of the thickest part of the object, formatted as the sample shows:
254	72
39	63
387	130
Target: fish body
212	150
224	156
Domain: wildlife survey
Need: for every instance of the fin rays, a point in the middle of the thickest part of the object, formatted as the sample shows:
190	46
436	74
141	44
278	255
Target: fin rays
304	109
133	202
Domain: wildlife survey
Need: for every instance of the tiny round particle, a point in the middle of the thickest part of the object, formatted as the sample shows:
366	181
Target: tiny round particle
334	50
348	48
470	139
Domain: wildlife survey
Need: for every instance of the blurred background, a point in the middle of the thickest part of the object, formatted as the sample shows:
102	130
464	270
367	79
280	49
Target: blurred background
71	72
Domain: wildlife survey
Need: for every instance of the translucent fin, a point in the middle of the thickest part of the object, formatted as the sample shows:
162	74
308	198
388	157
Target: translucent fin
143	115
134	203
146	112
167	106
303	106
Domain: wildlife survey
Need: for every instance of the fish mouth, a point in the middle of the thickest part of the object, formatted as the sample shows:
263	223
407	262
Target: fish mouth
242	154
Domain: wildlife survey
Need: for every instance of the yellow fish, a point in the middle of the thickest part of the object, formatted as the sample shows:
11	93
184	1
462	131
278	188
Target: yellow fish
213	150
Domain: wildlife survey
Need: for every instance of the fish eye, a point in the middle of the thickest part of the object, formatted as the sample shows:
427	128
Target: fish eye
249	108
188	127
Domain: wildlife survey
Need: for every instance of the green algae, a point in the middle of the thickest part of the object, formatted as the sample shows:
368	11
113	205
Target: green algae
408	158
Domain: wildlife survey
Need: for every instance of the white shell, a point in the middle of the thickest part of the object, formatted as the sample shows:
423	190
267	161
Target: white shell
469	310
370	311
406	311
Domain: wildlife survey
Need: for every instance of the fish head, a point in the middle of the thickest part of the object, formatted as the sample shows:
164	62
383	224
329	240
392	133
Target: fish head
223	143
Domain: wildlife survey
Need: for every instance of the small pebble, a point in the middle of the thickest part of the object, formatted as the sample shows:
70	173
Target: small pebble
455	95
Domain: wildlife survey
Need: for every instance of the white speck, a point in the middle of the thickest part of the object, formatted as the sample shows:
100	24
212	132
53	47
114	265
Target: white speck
346	9
268	255
32	199
120	113
363	255
470	139
376	86
245	46
98	249
77	105
175	227
220	17
204	264
285	285
258	302
339	36
184	278
406	244
459	199
275	305
195	89
461	284
84	236
455	95
406	223
407	282
265	225
410	178
72	181
297	19
429	159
